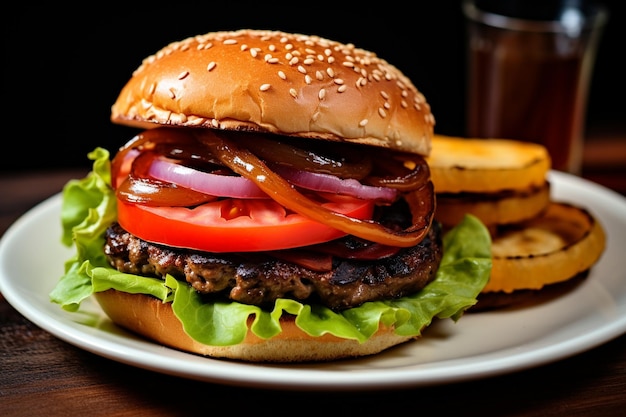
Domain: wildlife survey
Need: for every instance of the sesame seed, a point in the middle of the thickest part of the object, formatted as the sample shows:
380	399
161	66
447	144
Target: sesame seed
230	41
308	61
195	121
382	113
264	87
338	81
215	123
282	75
293	61
342	88
172	93
244	47
293	92
301	69
254	52
321	94
347	64
211	65
183	75
331	59
330	72
385	95
272	48
363	122
152	89
308	79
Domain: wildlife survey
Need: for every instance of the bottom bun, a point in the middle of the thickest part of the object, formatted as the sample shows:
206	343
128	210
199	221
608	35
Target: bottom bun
155	320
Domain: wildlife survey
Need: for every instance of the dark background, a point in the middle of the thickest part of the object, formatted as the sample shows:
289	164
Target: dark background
63	68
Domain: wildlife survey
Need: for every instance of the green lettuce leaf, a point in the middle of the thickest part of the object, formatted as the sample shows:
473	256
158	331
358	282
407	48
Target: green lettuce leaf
89	207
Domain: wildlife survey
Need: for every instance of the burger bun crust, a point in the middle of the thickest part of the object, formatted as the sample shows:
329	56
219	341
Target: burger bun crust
276	82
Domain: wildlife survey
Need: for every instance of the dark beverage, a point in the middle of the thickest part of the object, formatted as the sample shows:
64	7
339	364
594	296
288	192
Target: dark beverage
531	84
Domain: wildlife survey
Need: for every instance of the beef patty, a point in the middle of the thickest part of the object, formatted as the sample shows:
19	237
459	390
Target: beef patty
260	278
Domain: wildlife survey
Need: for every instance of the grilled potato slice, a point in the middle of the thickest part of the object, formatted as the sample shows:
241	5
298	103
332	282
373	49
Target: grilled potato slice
495	208
486	165
553	247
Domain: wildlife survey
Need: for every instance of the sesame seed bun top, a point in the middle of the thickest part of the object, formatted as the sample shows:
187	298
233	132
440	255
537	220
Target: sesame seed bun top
270	81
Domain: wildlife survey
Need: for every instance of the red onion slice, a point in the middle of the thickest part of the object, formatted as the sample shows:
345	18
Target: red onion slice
240	187
204	182
330	184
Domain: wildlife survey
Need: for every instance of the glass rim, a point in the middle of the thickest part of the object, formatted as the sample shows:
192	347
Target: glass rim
572	27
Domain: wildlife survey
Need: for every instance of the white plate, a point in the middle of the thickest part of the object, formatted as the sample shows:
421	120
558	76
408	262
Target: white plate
477	346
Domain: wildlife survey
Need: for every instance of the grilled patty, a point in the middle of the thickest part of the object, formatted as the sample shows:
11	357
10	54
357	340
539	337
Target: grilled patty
260	278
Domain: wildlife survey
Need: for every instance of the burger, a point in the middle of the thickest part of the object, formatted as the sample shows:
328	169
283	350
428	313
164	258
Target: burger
275	205
541	247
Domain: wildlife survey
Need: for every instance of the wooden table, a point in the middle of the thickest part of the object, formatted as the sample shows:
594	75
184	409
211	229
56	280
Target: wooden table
42	375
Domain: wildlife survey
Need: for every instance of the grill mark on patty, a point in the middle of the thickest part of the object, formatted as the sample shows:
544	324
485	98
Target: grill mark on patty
259	279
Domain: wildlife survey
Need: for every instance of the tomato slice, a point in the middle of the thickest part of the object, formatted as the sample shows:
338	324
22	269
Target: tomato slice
236	225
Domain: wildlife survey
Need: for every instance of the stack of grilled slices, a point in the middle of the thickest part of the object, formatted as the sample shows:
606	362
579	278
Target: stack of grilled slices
540	247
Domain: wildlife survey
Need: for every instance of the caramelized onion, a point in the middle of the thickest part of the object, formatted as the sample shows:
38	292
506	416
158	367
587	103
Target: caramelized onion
401	172
346	163
245	163
212	153
139	187
149	192
146	140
